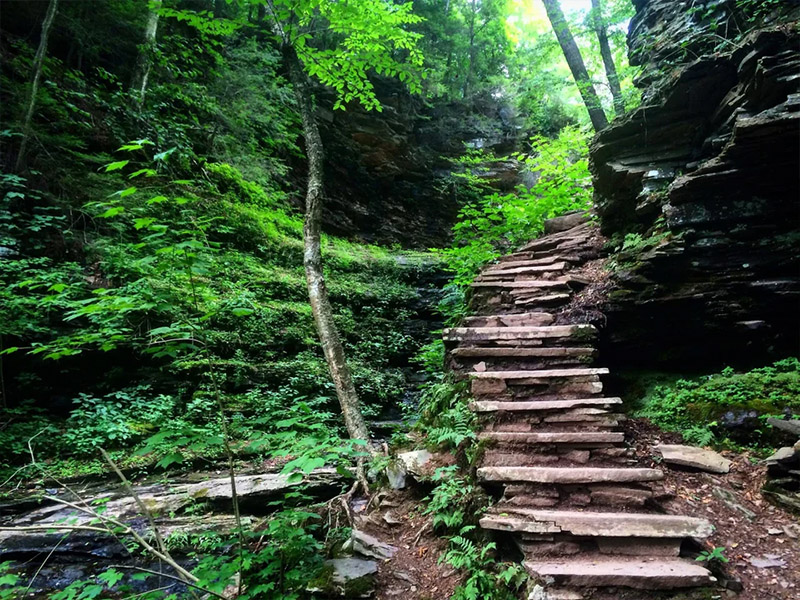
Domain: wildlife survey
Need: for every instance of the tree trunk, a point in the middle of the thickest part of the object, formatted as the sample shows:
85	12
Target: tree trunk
37	75
312	257
608	58
144	59
576	64
468	81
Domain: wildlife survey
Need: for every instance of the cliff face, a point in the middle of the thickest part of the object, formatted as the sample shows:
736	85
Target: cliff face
386	171
704	180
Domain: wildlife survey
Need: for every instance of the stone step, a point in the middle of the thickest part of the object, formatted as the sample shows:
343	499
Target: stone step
523	285
481	352
577	234
567	475
560	545
507	271
514	261
490	334
530	319
577	438
544	300
539	374
530	389
488	406
643	573
507	457
599	524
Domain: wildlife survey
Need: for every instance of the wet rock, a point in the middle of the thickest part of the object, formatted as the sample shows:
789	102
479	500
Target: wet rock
161	501
690	456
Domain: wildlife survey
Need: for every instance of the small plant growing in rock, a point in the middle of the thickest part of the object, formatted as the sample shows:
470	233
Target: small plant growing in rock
715	555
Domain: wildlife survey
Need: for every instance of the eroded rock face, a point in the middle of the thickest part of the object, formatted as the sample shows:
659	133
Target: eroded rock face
707	173
386	171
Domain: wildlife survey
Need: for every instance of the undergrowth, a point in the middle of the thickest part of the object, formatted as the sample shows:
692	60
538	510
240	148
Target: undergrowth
726	408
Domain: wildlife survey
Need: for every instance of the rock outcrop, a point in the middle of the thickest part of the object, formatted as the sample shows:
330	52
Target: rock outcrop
704	179
386	172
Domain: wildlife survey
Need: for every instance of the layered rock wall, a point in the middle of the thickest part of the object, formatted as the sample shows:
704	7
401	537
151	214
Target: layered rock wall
704	180
387	172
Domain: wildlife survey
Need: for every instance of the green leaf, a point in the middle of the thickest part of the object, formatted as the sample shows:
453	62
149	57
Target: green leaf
110	577
116	166
169	459
164	155
112	212
148	172
242	312
143	222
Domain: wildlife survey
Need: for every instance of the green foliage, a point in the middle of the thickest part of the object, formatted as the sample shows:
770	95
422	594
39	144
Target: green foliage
363	36
465	46
210	297
455	501
445	417
484	577
10	583
694	407
716	554
118	418
490	224
278	561
456	504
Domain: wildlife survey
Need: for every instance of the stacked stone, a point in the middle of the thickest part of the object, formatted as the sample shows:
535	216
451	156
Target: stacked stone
573	498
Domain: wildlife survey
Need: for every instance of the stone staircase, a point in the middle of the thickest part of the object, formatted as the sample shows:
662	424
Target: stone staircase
576	503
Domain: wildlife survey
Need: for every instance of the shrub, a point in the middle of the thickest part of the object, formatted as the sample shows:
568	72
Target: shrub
702	409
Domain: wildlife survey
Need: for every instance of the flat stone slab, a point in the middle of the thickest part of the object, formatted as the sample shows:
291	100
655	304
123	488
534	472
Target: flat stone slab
599	524
489	406
507	269
791	426
514	260
556	437
539	374
521	352
536	283
567	475
645	574
516	333
546	299
529	319
691	456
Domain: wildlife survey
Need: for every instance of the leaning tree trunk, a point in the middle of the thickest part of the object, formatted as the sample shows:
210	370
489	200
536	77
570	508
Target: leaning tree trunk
608	58
576	64
144	59
37	75
312	258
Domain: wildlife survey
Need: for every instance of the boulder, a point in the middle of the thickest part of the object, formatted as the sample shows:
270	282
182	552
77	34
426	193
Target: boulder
370	546
691	456
415	461
396	475
565	222
791	426
348	577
